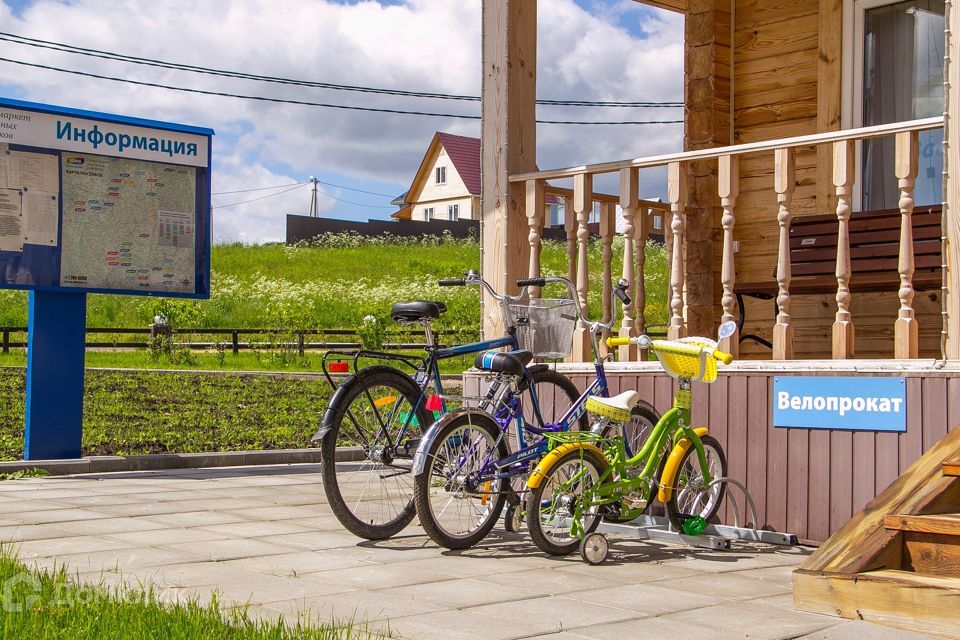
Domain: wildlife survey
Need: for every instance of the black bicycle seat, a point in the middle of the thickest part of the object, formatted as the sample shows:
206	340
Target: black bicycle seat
413	311
509	362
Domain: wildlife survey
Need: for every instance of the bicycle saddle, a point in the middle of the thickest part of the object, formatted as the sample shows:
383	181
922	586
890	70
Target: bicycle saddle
616	408
509	362
413	311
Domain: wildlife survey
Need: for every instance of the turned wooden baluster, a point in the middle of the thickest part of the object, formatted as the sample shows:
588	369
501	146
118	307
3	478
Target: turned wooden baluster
608	227
535	212
729	188
905	330
583	206
784	181
570	227
639	294
676	194
844	153
629	192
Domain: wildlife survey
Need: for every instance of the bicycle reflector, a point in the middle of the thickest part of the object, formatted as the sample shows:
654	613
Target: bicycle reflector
434	403
339	367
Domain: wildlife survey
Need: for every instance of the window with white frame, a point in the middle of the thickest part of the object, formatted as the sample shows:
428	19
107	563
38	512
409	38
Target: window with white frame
441	175
428	213
453	211
893	71
657	221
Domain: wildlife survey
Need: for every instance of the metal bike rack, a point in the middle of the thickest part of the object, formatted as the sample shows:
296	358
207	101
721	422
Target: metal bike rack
717	537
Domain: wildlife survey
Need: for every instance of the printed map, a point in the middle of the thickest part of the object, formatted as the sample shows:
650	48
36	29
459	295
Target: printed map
128	224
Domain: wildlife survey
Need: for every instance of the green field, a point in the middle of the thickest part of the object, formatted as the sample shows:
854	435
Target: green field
331	285
335	283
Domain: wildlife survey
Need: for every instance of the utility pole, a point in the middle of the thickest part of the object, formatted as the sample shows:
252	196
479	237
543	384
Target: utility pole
313	199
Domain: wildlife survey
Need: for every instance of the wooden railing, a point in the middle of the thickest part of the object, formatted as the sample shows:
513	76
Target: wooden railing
843	143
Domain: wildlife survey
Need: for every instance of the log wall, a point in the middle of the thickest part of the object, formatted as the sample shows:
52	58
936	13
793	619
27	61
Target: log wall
786	82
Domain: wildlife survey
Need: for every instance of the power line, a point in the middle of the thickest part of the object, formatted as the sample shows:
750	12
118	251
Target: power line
372	193
108	55
279	186
156	85
272	195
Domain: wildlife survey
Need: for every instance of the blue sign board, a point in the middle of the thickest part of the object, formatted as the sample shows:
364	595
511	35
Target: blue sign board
93	203
852	403
97	203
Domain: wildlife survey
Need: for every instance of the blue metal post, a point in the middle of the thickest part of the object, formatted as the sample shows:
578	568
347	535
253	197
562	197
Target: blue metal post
55	354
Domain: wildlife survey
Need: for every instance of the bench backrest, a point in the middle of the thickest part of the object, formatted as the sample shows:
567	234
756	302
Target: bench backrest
874	248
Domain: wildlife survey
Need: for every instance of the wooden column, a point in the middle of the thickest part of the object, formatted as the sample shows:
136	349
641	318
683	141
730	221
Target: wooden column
676	194
629	193
707	99
608	227
729	182
951	208
570	227
784	181
508	142
844	161
535	212
905	330
583	205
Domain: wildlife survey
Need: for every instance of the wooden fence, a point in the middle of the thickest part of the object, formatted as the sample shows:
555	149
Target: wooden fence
302	339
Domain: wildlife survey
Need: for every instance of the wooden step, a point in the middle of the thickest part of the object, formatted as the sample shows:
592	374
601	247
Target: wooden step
951	468
943	524
918	603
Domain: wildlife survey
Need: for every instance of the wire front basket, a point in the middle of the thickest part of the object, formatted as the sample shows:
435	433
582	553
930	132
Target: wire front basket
545	326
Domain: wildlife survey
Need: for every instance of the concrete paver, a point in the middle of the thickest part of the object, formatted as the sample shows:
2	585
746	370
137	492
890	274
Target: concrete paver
264	537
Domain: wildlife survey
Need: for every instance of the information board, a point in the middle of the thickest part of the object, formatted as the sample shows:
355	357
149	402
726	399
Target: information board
100	203
853	403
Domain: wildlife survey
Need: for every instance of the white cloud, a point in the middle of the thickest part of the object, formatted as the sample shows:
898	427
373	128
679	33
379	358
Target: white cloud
424	45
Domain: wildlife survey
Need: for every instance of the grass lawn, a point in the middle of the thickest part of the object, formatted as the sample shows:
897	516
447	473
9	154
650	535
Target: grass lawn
43	604
139	412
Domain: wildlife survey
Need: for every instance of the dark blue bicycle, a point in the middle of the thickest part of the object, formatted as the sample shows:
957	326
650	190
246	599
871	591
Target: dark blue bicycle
373	424
464	469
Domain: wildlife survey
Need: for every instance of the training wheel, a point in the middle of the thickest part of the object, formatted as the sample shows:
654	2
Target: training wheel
512	518
594	549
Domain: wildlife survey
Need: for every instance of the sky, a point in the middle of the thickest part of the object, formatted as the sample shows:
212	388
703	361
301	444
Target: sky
587	50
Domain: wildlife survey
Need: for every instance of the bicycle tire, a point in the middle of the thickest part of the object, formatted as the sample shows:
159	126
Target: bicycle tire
453	513
643	418
688	498
349	418
547	529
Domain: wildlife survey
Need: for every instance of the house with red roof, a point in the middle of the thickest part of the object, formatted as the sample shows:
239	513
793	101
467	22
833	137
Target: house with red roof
447	184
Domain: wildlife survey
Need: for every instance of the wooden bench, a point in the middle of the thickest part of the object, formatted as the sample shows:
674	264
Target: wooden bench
874	257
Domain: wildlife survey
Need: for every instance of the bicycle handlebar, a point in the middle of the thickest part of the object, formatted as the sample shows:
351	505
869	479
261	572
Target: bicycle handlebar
644	342
452	282
619	291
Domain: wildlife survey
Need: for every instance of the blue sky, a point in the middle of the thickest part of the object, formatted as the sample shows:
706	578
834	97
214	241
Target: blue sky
587	49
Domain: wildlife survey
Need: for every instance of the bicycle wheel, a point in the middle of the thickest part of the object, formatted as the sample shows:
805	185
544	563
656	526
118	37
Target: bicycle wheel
373	497
690	496
555	394
459	496
551	506
643	419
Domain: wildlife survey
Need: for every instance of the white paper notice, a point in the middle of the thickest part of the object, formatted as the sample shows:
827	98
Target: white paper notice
33	171
11	221
4	163
40	215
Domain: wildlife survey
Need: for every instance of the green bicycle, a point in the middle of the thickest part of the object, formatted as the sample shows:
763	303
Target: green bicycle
590	477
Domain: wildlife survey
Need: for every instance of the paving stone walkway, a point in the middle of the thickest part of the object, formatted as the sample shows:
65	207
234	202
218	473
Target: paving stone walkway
264	536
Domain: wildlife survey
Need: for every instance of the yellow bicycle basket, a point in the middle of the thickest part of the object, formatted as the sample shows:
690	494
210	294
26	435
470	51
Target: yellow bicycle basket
684	359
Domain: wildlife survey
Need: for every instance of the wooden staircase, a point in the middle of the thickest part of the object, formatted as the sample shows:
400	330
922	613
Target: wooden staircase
897	562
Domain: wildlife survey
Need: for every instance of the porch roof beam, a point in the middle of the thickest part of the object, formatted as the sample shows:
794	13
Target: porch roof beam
862	133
